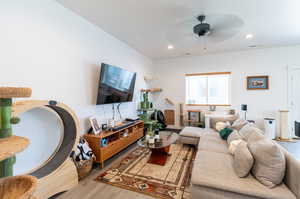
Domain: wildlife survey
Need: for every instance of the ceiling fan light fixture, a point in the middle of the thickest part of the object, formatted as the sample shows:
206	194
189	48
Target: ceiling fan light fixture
202	29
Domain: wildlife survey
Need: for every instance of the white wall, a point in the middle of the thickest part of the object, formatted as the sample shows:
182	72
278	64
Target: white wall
57	53
272	62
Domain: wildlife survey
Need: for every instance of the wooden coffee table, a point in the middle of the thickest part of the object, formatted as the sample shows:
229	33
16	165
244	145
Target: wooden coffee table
161	148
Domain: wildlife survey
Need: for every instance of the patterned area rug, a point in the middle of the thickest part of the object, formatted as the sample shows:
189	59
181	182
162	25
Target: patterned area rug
171	181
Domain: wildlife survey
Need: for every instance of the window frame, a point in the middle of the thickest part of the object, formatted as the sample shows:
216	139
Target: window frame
207	74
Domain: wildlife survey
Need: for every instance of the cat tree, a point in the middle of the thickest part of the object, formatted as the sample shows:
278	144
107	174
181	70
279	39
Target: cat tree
58	173
17	186
12	144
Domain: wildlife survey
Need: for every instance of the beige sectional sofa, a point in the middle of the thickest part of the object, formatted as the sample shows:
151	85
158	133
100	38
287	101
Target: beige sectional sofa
213	175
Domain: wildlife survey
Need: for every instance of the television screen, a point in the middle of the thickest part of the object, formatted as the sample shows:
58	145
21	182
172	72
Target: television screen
115	85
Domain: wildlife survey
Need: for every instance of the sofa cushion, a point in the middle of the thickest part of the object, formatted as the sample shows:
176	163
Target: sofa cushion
213	142
215	170
212	134
255	136
233	136
233	145
202	192
242	159
269	166
250	129
222	125
226	118
190	131
238	124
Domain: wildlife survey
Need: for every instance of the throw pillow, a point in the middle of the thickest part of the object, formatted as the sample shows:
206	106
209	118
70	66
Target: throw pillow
221	125
238	124
233	136
233	145
224	133
255	136
242	159
248	129
269	166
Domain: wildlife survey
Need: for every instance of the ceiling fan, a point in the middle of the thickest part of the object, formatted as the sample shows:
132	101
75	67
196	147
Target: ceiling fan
203	28
212	28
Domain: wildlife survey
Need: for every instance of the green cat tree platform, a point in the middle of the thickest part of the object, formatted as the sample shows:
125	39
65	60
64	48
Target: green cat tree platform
10	144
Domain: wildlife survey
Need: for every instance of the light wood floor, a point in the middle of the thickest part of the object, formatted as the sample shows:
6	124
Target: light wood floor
88	188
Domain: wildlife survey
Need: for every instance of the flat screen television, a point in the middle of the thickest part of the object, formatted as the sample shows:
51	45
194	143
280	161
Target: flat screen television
116	85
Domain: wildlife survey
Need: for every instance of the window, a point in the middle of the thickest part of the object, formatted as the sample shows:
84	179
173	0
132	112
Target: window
208	89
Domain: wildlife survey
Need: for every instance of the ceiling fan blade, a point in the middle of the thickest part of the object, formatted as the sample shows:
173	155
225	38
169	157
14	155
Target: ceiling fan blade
224	27
224	22
220	36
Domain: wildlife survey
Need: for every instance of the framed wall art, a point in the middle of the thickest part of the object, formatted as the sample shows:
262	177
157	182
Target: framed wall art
258	82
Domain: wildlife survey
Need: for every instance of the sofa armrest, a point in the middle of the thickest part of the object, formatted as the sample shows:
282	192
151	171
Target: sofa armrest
292	173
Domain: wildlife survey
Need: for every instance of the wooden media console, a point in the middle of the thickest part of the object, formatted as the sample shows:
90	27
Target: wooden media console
116	141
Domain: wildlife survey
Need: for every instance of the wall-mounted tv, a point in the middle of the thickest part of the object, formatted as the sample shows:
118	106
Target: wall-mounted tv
116	85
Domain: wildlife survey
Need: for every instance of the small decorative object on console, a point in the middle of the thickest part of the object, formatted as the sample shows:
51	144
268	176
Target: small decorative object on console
231	112
104	142
104	127
212	108
95	125
111	123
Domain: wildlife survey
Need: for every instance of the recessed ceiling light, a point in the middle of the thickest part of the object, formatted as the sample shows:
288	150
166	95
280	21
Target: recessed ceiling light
249	36
170	47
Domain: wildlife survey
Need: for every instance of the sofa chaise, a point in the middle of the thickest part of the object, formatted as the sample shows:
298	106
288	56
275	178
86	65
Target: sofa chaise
213	175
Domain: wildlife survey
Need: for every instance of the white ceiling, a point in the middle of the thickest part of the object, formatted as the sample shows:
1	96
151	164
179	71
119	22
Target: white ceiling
150	26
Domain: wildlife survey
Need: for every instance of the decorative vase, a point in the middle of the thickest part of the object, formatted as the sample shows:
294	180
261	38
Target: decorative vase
151	140
232	112
212	108
148	137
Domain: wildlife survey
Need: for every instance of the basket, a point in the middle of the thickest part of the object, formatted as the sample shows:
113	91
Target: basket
84	167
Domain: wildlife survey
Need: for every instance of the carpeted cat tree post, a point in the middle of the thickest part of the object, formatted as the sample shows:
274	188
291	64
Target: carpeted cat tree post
6	120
